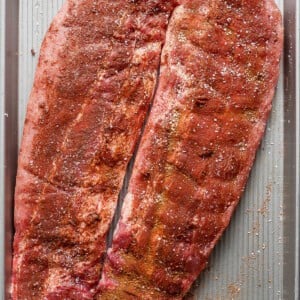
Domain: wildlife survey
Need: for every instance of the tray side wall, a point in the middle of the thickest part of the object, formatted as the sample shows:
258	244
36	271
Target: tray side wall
9	133
292	152
2	59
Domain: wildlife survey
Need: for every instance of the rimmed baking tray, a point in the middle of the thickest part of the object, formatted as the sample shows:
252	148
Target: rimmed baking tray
258	256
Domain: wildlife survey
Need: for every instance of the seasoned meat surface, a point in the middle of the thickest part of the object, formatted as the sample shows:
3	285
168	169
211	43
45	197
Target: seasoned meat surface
95	79
96	76
219	68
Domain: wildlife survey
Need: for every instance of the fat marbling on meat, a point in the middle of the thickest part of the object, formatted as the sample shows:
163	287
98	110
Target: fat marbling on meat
219	69
95	79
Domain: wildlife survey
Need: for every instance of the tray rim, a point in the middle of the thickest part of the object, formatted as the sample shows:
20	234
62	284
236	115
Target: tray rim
10	136
291	183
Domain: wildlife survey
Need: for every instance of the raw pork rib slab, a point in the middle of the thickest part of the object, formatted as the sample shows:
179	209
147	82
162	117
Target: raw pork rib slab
219	68
95	79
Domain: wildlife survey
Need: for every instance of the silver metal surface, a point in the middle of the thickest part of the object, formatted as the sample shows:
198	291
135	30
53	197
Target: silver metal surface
2	215
9	133
291	227
258	256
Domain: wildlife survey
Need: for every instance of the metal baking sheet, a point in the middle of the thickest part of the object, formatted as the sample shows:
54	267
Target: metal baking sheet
258	256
